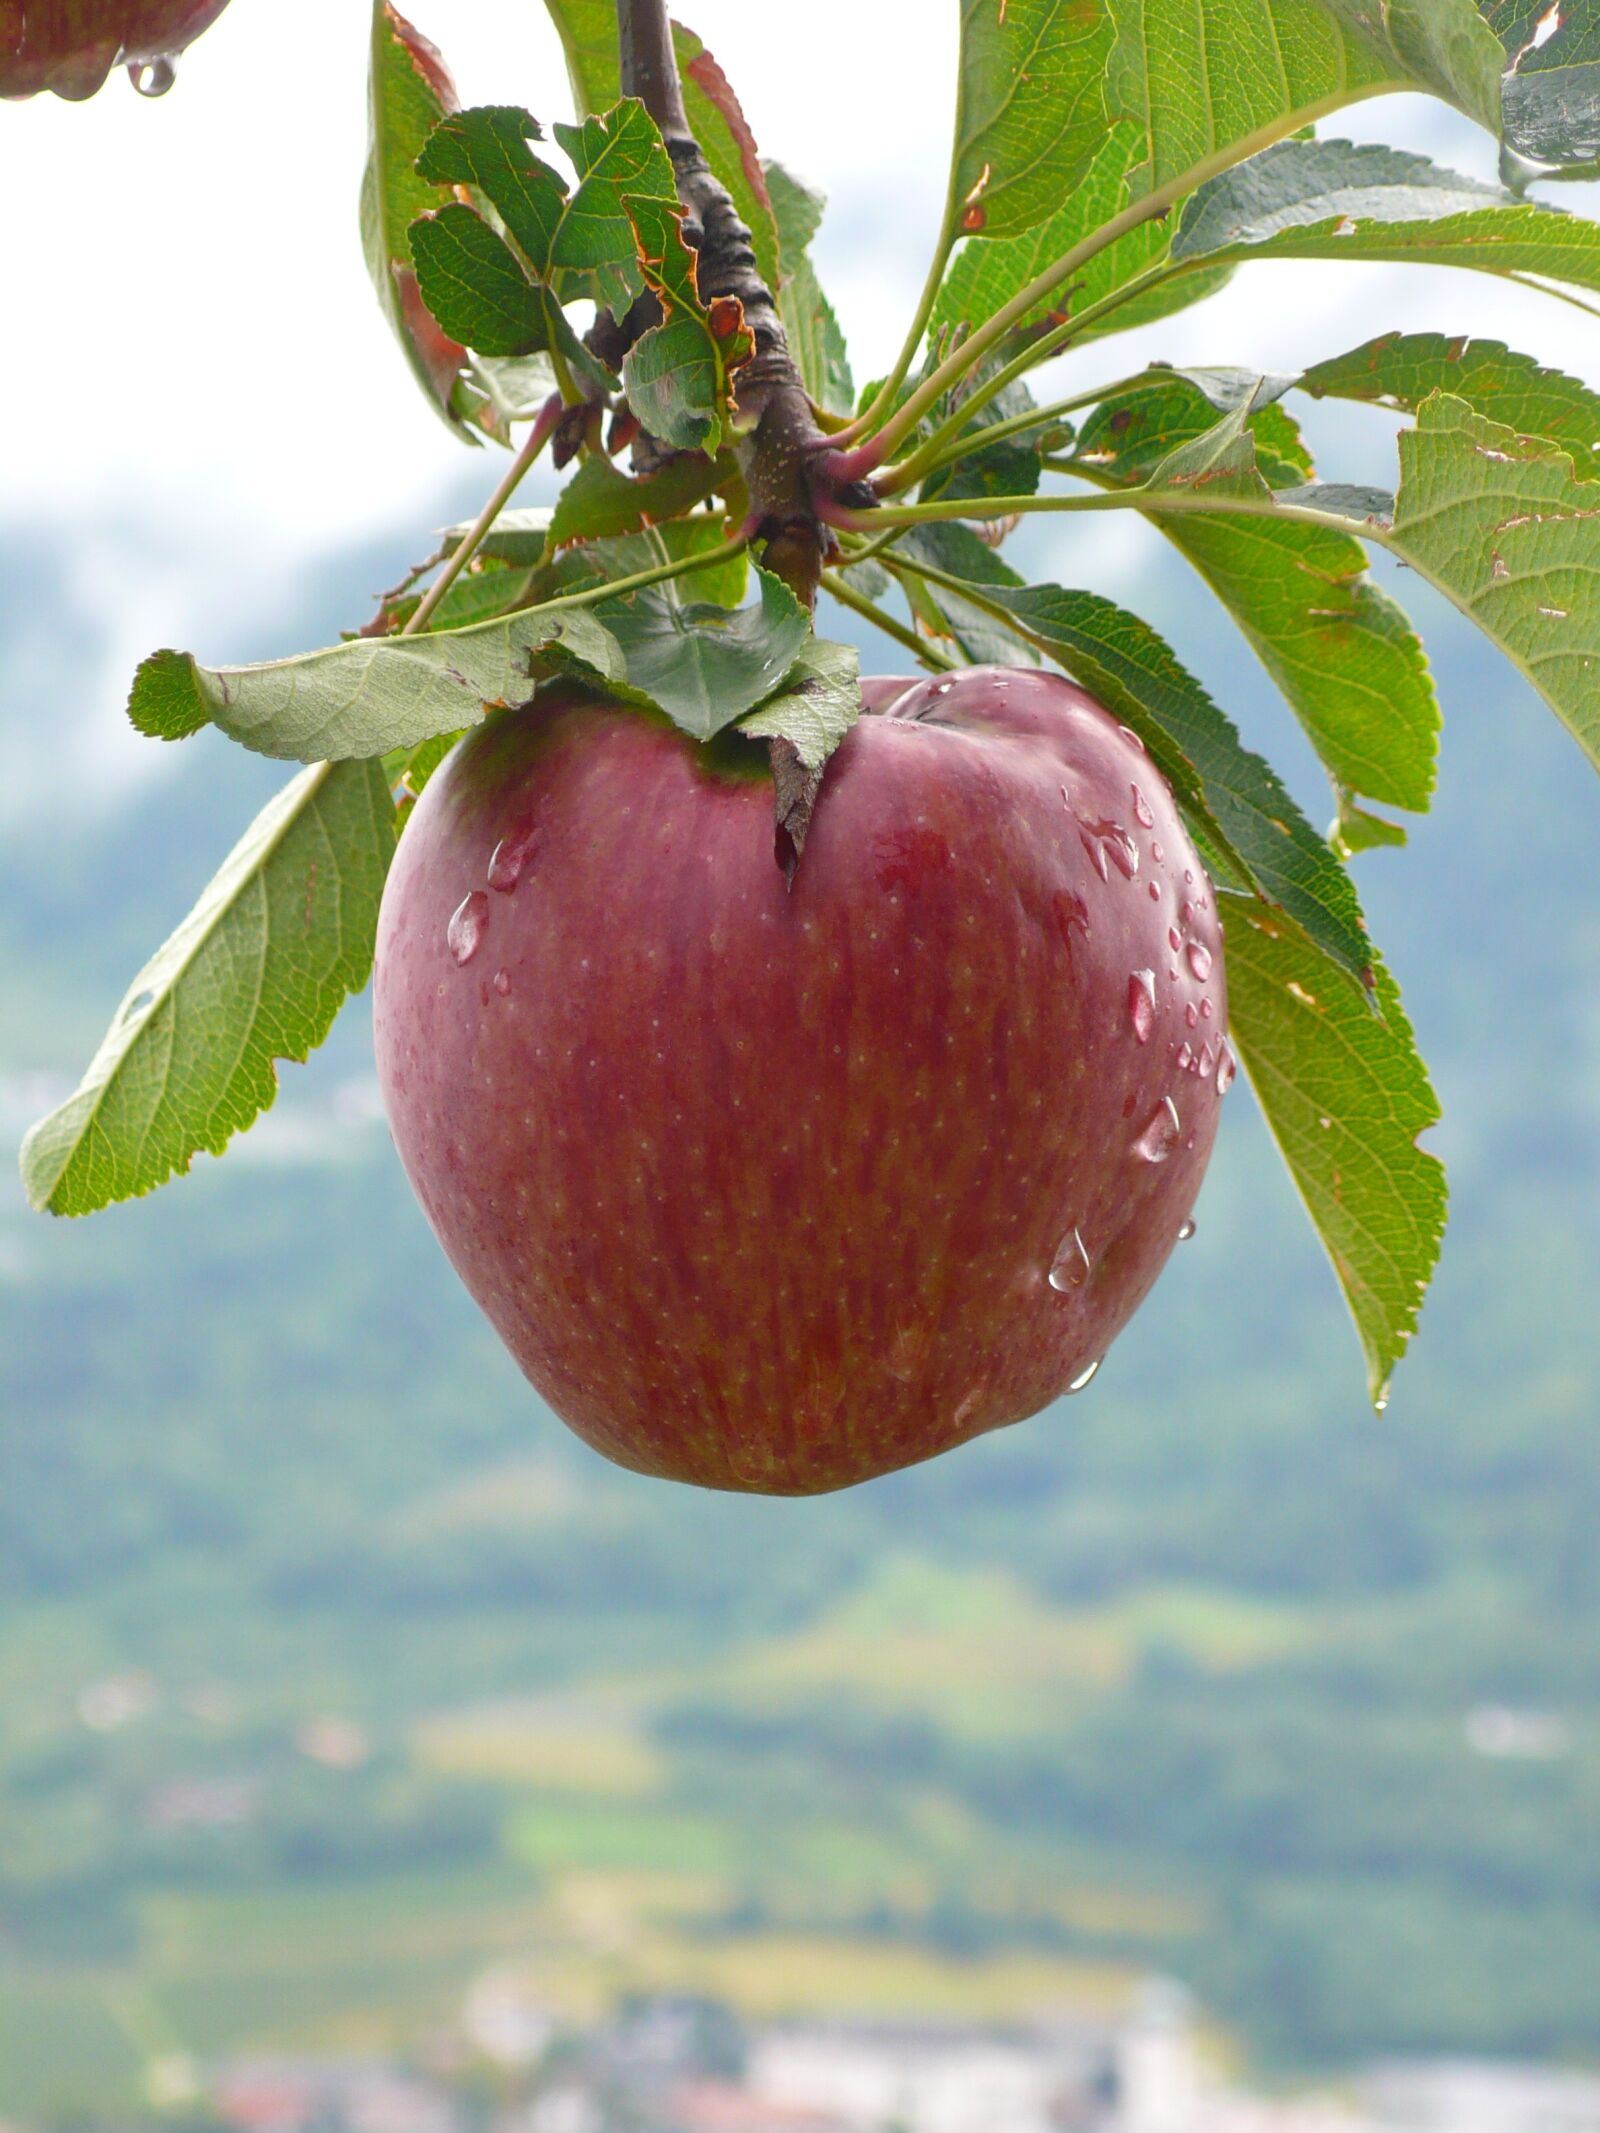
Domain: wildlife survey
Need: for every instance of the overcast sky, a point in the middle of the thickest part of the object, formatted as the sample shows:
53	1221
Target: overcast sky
200	400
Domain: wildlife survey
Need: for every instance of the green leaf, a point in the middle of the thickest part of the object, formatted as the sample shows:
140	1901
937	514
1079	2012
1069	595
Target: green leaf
1332	200
1214	80
815	706
1401	370
676	386
588	33
1346	1097
722	583
367	696
723	133
707	666
955	548
601	501
1344	655
1505	526
489	589
1029	111
520	536
1123	663
1356	830
815	338
987	273
409	91
678	373
617	158
472	284
256	972
487	148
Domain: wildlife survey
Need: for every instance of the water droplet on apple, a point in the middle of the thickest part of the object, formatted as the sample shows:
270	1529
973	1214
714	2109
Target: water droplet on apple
469	922
1185	1058
1142	1003
1191	1015
508	859
1070	1267
502	982
1085	1377
1174	939
1109	845
1187	1231
1200	960
1227	1069
1132	738
1141	809
1160	1136
153	77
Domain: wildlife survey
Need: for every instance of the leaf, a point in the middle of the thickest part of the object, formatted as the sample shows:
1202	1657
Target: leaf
1356	830
1506	528
588	33
1126	666
409	90
520	536
720	583
1029	114
1344	655
987	273
815	338
675	384
500	390
481	593
256	972
600	500
367	696
472	284
706	666
678	374
618	158
815	705
723	133
1400	370
1332	200
940	612
1216	79
1009	467
1346	1097
487	148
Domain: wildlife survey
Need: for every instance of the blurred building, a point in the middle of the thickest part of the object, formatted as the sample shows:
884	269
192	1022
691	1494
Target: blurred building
1481	2096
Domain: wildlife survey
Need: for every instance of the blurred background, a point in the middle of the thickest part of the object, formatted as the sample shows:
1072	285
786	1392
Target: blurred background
1204	1756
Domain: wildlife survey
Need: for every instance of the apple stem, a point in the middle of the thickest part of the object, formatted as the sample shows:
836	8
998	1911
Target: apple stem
783	449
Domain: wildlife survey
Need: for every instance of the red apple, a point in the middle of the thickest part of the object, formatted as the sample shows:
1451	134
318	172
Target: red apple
72	45
777	1189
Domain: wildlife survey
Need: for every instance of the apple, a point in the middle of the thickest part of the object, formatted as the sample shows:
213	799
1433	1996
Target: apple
777	1188
72	45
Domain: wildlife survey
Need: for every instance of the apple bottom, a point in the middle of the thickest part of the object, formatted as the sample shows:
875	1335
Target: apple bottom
778	1189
